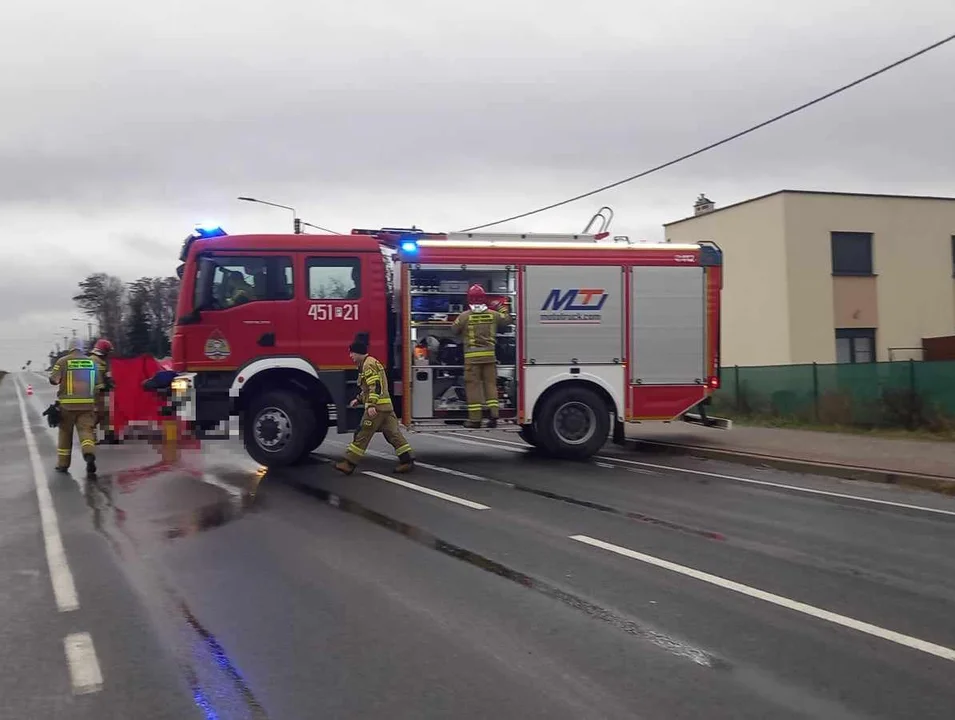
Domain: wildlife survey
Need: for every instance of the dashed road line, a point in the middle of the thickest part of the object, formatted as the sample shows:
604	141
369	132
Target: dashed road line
429	491
941	651
85	674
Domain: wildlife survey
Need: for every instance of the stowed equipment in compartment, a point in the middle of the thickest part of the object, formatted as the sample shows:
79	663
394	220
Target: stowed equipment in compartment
437	295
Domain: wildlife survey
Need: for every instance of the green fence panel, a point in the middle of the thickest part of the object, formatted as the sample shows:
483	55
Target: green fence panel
887	394
935	383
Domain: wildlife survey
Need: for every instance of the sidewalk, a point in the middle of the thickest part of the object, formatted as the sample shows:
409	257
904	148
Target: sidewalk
881	459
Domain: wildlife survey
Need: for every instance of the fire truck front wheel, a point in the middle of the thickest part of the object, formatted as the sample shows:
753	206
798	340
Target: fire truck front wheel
278	427
528	433
573	423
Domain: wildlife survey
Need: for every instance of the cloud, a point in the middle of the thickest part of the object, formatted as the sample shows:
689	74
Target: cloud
121	129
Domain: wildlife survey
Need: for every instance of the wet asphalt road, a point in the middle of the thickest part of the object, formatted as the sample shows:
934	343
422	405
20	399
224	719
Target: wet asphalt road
529	589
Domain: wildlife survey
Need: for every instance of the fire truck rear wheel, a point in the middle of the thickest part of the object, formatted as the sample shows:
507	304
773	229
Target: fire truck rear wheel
278	427
573	423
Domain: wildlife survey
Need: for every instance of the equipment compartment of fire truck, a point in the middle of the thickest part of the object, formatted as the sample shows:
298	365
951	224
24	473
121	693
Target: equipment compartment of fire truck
436	295
606	332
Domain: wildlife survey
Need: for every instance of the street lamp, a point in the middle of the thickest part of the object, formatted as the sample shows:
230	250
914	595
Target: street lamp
317	227
296	223
89	326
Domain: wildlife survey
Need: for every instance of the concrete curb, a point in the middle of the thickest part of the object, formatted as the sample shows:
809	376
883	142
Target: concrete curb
934	483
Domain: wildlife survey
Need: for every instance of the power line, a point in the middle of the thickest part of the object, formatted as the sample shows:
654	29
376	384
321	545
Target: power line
721	142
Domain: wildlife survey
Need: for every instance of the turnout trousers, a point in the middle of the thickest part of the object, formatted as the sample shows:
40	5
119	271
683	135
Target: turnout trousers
83	421
385	422
480	384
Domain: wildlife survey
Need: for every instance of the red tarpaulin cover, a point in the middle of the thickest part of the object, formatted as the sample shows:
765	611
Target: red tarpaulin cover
129	402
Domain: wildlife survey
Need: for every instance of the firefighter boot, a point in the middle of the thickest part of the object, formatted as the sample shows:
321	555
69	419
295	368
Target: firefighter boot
492	423
90	464
343	466
405	463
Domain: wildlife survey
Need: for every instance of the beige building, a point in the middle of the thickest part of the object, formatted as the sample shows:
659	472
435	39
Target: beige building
830	277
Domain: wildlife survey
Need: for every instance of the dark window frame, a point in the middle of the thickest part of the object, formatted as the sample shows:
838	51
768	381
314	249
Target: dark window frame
853	335
852	253
352	262
274	267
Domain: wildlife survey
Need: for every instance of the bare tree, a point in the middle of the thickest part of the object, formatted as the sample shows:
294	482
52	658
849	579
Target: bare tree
103	297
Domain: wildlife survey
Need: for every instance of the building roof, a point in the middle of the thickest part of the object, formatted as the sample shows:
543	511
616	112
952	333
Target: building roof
809	192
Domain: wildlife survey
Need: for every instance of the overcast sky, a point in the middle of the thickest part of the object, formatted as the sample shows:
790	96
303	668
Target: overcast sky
121	126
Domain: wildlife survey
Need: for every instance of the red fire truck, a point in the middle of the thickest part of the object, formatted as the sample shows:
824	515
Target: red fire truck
606	332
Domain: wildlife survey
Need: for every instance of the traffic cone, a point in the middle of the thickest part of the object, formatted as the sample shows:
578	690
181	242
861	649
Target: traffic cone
29	389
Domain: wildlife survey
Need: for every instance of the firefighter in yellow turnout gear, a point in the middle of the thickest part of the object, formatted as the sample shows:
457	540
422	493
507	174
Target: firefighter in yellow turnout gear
100	354
480	324
79	383
379	414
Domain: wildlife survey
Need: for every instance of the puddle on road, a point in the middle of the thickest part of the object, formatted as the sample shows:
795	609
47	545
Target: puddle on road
235	493
217	687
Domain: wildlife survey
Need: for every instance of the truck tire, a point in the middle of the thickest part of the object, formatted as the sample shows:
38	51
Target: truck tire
319	432
573	423
278	426
528	433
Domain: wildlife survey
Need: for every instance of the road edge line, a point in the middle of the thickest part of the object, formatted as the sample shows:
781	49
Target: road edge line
64	589
732	478
933	483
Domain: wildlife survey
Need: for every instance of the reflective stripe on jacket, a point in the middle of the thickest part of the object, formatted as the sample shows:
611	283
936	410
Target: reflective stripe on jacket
373	381
78	379
480	330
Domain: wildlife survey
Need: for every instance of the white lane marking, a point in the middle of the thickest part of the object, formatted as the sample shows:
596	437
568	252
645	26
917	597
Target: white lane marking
429	491
76	457
704	473
437	468
497	444
85	672
906	640
62	579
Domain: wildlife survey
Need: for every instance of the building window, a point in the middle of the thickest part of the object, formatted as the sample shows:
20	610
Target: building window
334	278
855	345
851	253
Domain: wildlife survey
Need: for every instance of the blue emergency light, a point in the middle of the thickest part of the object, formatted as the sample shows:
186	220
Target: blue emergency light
207	230
408	242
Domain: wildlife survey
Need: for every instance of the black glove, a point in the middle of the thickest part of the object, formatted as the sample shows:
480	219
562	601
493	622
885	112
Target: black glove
52	415
108	384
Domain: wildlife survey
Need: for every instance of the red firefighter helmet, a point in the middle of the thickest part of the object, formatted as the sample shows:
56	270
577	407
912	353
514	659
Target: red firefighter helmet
103	347
476	295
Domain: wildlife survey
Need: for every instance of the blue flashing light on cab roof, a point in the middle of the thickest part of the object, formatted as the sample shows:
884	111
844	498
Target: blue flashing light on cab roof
205	230
209	230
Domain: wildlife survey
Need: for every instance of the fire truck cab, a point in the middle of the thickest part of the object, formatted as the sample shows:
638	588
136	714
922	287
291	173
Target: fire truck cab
605	332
